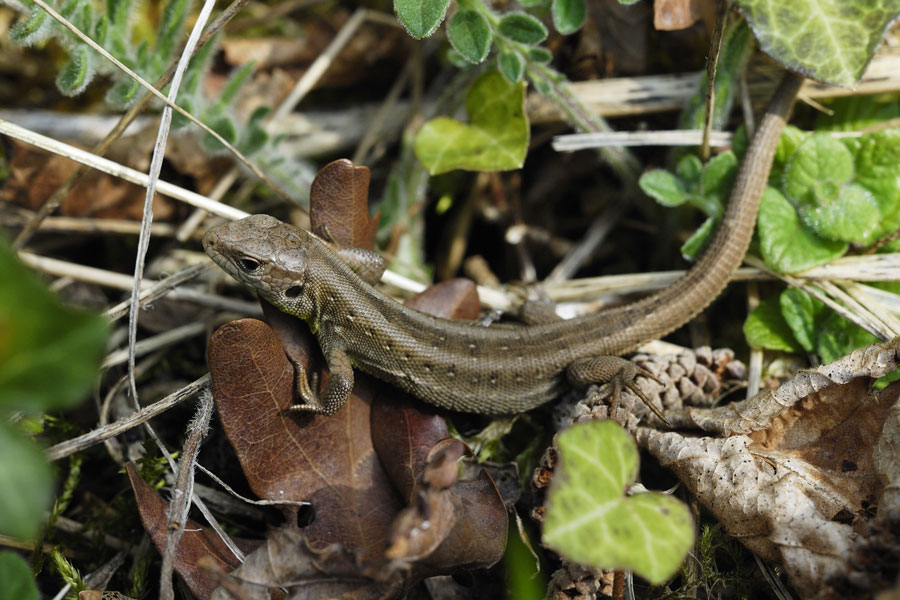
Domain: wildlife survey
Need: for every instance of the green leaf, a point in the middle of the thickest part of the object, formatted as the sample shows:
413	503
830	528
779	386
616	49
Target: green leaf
718	176
49	353
421	17
800	312
877	160
817	180
568	15
171	27
32	31
26	485
78	72
689	169
693	247
539	55
765	327
786	245
125	92
663	187
791	138
828	40
839	337
495	139
225	126
841	212
854	113
522	27
254	137
18	581
510	63
589	520
470	34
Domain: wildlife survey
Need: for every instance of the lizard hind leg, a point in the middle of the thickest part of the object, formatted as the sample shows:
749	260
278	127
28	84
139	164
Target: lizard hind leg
614	374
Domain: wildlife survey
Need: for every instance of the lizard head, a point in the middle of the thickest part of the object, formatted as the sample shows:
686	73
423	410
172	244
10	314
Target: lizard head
266	255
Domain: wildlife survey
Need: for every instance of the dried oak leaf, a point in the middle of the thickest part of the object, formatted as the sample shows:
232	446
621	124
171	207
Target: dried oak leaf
330	462
782	467
196	542
338	208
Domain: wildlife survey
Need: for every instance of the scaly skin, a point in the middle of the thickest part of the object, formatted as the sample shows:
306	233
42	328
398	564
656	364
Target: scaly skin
461	366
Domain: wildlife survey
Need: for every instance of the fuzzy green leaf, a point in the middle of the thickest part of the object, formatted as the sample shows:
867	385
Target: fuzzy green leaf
765	327
539	55
522	27
78	72
828	40
510	63
591	521
800	312
225	126
26	484
124	93
495	139
568	15
689	169
470	34
174	15
32	31
49	353
18	581
421	17
786	245
663	187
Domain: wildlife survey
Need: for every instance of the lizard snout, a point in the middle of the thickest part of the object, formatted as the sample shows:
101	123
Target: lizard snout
210	240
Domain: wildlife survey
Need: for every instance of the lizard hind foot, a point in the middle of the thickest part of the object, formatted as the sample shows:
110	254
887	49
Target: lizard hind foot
614	374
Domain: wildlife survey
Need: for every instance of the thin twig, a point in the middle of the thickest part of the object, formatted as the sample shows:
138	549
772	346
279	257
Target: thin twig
712	63
92	438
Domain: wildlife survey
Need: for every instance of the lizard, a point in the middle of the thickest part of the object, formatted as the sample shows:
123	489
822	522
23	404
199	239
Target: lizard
501	369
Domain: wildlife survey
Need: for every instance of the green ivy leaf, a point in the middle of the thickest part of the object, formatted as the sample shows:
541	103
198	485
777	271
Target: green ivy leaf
801	313
421	18
470	34
828	40
839	337
591	521
663	187
522	27
18	582
78	72
568	15
511	65
495	139
786	245
26	485
765	327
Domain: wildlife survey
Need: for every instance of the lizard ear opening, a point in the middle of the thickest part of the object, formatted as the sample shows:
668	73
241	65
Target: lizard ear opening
293	291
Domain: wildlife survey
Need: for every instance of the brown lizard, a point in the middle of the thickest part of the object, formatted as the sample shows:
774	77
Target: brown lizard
501	369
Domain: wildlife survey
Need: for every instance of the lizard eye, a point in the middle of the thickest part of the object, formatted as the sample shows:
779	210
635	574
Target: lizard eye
247	264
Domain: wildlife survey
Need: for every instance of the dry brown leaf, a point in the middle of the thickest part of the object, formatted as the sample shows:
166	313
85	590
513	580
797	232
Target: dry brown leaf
338	205
196	542
788	462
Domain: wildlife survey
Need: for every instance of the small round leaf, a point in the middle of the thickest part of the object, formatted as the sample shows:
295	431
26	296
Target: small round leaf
470	34
511	65
523	28
568	15
421	17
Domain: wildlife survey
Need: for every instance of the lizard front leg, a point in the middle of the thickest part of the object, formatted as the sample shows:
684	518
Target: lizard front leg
612	372
337	390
